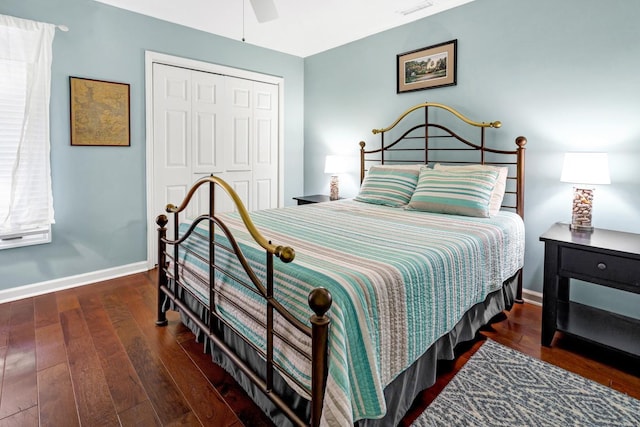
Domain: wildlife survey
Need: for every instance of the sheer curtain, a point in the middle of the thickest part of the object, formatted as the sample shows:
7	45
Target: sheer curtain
26	203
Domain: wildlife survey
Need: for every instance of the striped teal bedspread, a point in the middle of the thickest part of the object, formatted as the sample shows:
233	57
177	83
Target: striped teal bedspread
399	280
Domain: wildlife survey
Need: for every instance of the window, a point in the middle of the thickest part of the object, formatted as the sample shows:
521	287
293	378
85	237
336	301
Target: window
26	202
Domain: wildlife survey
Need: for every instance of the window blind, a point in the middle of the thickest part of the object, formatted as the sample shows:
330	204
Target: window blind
26	202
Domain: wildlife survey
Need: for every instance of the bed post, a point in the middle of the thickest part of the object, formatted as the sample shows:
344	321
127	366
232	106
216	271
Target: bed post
362	144
162	221
320	303
521	141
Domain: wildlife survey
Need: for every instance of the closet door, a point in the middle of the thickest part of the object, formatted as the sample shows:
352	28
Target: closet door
207	123
172	136
208	119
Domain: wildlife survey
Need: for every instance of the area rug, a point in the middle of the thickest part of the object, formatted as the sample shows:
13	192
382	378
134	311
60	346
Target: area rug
499	386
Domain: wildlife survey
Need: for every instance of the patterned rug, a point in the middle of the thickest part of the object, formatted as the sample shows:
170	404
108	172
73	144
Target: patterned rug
499	386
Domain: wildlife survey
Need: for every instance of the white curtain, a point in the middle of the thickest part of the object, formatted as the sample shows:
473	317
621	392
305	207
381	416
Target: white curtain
26	202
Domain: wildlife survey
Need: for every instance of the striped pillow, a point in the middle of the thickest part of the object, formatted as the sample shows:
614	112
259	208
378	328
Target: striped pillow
498	191
454	192
388	185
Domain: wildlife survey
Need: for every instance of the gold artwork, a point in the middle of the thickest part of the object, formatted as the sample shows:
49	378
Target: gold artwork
99	112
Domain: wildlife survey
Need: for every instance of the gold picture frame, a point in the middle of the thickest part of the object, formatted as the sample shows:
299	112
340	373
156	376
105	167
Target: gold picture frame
427	68
99	112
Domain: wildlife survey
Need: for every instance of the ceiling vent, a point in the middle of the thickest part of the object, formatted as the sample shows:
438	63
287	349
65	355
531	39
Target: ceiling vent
416	8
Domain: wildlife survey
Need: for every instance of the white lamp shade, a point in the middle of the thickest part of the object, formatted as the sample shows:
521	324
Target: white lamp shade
334	164
586	168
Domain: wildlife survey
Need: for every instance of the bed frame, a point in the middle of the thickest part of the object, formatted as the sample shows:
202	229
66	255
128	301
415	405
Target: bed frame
428	142
172	289
319	299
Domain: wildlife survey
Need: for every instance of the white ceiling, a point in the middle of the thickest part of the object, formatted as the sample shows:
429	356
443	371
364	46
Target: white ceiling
303	27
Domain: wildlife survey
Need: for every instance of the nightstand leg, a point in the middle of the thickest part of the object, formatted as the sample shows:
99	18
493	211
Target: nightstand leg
563	289
550	294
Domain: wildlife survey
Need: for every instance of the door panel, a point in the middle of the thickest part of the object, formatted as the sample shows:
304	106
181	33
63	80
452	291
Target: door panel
208	109
265	146
240	145
238	131
264	194
175	137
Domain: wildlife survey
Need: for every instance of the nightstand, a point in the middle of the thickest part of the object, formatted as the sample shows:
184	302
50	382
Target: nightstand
316	198
603	257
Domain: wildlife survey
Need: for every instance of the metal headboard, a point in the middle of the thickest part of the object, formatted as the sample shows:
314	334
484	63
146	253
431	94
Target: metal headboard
429	141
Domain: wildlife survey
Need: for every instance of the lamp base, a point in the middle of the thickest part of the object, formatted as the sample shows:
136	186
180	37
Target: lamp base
582	209
581	228
334	192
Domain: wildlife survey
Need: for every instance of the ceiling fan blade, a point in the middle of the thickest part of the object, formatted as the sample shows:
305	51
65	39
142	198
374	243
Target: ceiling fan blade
265	10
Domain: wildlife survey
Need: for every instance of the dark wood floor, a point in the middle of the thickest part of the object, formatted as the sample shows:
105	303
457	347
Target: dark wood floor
93	356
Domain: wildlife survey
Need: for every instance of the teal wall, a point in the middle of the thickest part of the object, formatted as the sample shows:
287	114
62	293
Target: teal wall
562	73
99	192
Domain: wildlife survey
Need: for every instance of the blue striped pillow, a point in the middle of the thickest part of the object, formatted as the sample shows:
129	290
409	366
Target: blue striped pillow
388	185
454	192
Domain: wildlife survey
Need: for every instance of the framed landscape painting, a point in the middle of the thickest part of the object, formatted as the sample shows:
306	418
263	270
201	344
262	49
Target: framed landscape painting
427	68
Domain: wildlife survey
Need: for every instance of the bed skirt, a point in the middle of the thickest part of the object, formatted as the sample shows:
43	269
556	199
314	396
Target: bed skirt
399	394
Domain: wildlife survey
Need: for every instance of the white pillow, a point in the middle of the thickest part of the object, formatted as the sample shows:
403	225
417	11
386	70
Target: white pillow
501	183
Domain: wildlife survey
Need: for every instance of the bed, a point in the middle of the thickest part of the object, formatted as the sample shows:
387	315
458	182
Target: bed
347	326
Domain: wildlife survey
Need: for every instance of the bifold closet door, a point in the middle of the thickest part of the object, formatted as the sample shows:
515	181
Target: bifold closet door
207	123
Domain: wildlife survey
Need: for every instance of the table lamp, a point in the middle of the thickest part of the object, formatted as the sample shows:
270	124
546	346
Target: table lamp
334	165
584	170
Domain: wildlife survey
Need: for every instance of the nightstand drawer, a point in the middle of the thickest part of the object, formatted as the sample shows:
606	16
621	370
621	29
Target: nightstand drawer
600	266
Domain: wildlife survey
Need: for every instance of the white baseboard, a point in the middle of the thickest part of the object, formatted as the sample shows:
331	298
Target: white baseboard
532	297
36	289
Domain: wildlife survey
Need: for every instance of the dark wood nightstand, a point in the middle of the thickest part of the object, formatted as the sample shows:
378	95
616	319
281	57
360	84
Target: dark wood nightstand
604	257
316	198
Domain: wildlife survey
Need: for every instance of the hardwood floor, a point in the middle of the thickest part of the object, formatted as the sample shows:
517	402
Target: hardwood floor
93	356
